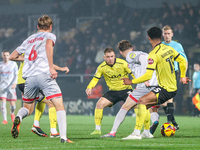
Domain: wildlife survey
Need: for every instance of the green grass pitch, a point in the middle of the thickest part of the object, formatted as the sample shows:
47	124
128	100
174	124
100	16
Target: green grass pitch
80	127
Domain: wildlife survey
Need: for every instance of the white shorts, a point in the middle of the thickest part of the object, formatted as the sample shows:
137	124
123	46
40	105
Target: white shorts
9	95
42	82
139	92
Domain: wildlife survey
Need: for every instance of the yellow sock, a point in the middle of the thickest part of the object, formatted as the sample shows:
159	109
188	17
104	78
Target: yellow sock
140	116
147	120
98	115
52	117
39	109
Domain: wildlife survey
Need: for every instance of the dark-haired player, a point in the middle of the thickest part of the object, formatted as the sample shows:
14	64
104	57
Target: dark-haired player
161	59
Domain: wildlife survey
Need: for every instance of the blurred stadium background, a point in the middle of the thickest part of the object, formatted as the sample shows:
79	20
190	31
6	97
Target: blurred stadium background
85	27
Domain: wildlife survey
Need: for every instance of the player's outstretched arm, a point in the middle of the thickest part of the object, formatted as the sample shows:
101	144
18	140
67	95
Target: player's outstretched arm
92	84
15	56
145	77
61	68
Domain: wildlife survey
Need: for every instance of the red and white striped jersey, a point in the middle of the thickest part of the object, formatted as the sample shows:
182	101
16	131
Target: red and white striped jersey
35	58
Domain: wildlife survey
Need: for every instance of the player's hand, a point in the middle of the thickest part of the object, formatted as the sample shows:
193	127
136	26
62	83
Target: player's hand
66	69
127	81
54	74
185	80
147	83
88	92
13	86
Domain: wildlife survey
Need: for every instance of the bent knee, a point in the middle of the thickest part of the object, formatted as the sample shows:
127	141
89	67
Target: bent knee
102	103
142	101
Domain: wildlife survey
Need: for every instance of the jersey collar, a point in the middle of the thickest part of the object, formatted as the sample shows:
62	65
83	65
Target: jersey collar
158	44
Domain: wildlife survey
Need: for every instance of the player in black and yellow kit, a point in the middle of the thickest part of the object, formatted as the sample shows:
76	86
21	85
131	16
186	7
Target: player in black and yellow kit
161	59
113	69
40	106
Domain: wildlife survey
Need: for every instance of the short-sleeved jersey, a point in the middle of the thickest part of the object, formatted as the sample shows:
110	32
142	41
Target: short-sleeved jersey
8	74
113	74
133	59
35	60
161	59
196	79
179	48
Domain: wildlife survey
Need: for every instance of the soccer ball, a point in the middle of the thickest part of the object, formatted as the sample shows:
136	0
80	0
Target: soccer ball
167	129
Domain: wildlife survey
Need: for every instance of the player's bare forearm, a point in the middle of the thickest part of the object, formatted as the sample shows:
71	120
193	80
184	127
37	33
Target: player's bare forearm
49	52
15	56
61	68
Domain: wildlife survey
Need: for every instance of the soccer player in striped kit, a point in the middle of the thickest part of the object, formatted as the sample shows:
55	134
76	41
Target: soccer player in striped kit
40	74
8	82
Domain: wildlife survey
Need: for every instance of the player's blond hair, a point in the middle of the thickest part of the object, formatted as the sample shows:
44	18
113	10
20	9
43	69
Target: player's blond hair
167	27
108	50
44	22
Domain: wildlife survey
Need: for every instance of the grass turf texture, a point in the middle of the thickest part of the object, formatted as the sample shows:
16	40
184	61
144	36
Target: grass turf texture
80	127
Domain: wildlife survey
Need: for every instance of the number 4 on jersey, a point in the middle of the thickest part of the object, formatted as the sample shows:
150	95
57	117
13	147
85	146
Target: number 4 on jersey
33	54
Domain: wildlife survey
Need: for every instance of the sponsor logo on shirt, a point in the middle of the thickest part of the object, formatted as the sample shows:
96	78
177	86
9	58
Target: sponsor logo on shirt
132	55
118	69
5	73
150	61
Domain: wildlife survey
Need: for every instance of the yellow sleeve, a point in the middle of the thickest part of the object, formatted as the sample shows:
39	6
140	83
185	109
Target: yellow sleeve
96	78
182	64
92	83
145	77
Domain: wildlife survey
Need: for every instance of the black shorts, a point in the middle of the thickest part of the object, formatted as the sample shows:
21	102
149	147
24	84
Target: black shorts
41	94
116	96
21	87
163	95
